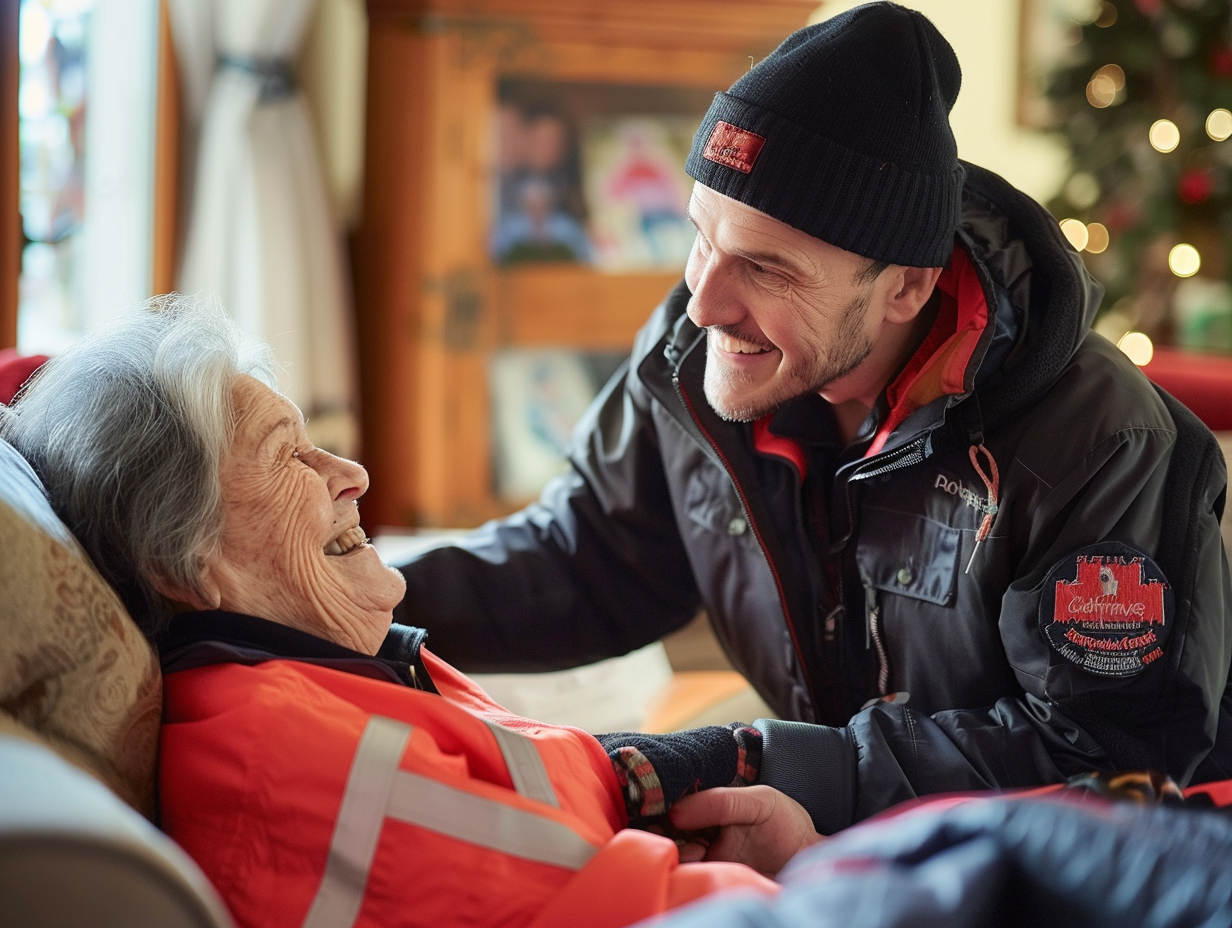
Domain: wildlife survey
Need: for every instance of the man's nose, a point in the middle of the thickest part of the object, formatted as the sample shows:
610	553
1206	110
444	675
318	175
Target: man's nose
714	300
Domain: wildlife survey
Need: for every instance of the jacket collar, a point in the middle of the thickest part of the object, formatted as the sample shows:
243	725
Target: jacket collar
197	639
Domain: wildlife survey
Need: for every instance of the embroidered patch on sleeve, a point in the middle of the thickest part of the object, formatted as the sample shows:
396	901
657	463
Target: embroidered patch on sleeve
734	147
1107	608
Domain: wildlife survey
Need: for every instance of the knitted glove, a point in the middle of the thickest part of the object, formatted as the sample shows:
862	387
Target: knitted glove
656	770
1146	787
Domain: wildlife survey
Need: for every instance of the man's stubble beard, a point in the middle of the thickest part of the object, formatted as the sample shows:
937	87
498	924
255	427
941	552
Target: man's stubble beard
849	349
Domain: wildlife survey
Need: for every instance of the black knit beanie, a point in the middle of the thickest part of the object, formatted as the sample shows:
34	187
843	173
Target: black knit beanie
843	132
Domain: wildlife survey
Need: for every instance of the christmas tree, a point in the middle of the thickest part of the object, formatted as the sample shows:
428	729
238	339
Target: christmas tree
1143	99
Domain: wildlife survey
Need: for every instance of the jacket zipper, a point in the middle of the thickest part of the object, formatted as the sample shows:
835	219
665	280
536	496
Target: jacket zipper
872	629
906	456
761	544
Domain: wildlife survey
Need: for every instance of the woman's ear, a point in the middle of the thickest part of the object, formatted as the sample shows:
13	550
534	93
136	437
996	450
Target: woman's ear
910	289
185	598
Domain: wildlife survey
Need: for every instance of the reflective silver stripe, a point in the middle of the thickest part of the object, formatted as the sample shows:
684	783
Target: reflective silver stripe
467	817
530	777
358	827
377	788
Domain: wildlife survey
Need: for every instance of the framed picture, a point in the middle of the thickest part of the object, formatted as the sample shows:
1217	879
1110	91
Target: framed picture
593	173
538	396
1049	32
637	191
539	215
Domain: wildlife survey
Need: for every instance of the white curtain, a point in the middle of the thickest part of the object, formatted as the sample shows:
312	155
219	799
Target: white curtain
260	232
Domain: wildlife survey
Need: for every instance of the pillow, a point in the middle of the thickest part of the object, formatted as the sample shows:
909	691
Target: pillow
74	667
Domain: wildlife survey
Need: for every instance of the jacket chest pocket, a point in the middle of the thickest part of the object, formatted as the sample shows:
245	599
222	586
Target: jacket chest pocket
908	555
711	502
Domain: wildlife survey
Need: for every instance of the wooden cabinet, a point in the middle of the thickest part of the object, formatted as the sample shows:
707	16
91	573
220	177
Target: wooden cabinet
432	307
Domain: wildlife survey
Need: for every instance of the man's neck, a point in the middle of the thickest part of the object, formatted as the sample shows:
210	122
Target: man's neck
850	416
889	359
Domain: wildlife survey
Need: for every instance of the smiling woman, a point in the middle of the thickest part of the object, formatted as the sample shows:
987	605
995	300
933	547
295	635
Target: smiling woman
322	577
304	733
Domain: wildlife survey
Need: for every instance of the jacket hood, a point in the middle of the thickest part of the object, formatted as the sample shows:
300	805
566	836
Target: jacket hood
1041	298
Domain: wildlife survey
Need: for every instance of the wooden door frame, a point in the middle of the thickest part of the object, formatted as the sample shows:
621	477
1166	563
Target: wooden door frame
166	232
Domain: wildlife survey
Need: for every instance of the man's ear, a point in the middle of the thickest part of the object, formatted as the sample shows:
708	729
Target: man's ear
180	594
910	288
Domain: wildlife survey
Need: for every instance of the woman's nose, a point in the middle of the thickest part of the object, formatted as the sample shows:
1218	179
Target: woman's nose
347	480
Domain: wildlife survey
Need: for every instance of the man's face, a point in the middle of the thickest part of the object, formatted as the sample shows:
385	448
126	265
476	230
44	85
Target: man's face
785	313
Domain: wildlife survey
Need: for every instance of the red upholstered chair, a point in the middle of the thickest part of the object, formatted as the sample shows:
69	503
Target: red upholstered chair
1203	382
15	369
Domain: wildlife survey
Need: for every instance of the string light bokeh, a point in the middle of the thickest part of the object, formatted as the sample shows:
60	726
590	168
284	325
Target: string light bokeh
1143	100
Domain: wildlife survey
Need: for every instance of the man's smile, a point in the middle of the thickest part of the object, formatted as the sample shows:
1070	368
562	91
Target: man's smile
734	345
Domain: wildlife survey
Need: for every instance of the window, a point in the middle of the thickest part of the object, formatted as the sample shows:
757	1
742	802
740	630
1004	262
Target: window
86	104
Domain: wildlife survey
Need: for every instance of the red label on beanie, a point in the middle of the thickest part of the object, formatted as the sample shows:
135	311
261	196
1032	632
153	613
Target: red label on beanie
735	147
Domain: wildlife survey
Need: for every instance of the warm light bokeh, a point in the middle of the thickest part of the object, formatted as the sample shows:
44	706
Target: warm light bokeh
1137	347
1164	135
1184	260
1076	231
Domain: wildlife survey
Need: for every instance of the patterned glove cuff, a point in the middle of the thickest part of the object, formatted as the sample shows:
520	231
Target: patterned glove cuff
656	770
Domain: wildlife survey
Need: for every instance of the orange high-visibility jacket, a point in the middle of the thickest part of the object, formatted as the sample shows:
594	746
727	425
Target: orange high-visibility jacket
315	797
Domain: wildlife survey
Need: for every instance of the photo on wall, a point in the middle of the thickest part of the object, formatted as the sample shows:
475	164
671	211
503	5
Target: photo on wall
538	396
637	191
593	174
539	210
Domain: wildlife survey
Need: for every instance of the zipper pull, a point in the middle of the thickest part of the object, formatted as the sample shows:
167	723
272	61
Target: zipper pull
993	483
831	622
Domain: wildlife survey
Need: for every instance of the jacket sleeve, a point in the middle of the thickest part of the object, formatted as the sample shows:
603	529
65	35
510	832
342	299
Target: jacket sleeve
593	569
1164	717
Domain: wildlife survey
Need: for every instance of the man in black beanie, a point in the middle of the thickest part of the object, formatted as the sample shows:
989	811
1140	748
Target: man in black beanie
955	540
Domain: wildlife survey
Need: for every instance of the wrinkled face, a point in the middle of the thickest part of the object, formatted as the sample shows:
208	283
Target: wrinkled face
785	313
292	550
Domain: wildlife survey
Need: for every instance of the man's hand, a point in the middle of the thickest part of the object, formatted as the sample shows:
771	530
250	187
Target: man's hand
759	826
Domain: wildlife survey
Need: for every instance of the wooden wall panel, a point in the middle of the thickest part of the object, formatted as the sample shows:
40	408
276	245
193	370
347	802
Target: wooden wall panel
387	264
432	309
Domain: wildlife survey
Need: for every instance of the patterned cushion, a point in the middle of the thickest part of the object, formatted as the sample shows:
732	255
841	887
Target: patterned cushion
73	665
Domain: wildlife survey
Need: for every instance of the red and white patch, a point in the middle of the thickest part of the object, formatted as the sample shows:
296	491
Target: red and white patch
734	147
1107	609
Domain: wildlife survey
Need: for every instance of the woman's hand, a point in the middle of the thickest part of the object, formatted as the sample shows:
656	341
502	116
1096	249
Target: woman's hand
759	827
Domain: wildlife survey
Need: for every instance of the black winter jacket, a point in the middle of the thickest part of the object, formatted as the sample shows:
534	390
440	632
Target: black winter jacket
835	577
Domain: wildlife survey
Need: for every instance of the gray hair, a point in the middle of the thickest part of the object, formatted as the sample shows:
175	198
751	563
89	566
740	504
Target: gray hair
127	427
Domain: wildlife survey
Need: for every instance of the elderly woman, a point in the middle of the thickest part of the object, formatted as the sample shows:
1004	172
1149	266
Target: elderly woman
317	761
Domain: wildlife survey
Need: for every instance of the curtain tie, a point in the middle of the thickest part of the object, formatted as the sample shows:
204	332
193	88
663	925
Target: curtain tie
275	76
